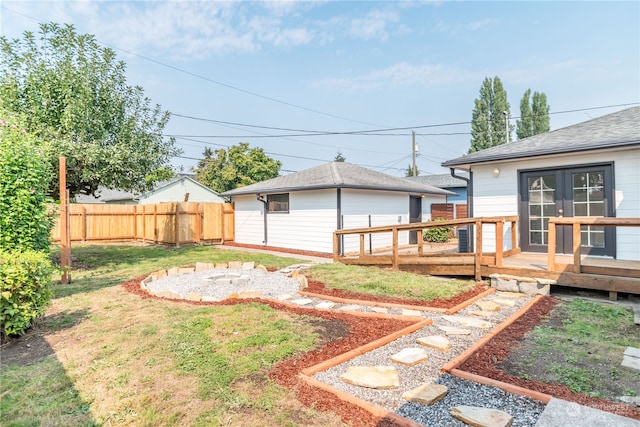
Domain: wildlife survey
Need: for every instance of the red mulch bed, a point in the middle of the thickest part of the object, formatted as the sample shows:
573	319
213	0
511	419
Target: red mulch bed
485	362
362	330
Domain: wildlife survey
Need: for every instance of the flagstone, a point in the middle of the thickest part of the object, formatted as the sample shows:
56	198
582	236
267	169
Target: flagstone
284	297
488	306
437	342
452	330
350	307
504	301
408	312
481	417
468	321
377	377
302	301
426	394
511	294
480	313
326	305
410	356
379	310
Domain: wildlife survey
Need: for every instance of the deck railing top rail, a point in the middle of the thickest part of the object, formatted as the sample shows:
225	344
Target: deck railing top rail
597	220
428	224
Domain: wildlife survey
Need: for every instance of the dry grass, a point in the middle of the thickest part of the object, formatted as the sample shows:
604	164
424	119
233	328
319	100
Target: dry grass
117	359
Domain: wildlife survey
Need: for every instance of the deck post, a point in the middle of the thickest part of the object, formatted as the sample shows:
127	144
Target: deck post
576	247
499	242
551	247
335	246
478	266
514	235
395	248
420	242
361	245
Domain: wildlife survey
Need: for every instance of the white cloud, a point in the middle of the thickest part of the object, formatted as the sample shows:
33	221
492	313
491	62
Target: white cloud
399	75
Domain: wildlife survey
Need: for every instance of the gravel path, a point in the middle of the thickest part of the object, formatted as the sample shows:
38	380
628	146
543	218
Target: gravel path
525	411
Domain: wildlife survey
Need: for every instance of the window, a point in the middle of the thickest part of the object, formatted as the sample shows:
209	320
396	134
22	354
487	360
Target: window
278	202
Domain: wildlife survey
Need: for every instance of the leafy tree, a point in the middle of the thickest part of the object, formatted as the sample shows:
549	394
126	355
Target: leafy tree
409	171
74	95
534	115
488	121
339	158
224	170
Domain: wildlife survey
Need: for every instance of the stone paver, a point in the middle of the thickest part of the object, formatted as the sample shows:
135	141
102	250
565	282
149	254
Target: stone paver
410	356
408	312
481	417
436	342
350	307
468	321
482	313
426	394
378	377
452	330
488	305
631	358
302	301
326	305
505	301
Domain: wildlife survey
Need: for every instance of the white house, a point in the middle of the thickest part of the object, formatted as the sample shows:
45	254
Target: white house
588	169
179	189
302	210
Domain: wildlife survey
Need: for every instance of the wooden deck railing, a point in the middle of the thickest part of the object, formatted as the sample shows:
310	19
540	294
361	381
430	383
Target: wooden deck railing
477	223
576	223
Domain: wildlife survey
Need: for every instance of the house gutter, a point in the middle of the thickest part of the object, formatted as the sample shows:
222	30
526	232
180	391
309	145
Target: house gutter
264	202
469	202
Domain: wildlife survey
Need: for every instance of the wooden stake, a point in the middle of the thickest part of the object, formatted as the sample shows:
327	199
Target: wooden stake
65	238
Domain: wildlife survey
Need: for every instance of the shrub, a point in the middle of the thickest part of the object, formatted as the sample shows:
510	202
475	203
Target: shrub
25	289
438	234
25	221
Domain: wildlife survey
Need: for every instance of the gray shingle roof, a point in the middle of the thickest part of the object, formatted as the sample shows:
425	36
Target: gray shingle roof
444	180
619	129
336	175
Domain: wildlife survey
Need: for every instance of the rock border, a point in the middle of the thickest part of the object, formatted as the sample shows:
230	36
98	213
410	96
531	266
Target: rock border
525	285
202	266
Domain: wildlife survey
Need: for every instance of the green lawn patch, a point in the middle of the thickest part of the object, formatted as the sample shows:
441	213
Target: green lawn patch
379	282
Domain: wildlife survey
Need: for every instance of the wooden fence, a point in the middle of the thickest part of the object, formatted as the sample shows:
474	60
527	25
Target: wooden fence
170	223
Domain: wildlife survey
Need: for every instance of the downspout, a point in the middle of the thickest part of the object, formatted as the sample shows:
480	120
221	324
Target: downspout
469	182
265	210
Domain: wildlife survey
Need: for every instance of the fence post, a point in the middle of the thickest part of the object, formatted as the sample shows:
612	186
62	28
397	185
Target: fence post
155	223
478	266
84	224
499	242
396	261
576	247
551	246
177	225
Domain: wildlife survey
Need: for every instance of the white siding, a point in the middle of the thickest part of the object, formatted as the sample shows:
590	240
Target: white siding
175	192
496	196
249	225
310	223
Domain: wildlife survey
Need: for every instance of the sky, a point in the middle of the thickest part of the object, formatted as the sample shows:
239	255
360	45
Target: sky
306	80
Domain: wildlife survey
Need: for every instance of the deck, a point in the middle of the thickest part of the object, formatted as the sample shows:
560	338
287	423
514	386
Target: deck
573	270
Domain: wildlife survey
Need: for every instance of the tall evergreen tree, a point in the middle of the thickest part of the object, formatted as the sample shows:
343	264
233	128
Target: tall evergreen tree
534	115
489	118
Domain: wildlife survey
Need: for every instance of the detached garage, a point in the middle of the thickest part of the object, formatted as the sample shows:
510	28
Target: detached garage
302	210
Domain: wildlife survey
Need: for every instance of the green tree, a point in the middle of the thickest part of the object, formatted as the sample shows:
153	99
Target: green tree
224	170
409	171
74	95
489	121
339	157
534	115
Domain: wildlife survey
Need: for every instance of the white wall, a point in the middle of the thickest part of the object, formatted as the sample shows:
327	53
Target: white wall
249	225
310	223
176	191
498	196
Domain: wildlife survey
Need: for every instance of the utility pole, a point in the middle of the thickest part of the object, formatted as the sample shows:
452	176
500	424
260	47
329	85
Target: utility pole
506	119
413	150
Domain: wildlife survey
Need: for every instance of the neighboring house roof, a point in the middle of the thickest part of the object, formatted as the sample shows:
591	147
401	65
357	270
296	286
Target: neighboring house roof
336	175
444	180
619	129
109	195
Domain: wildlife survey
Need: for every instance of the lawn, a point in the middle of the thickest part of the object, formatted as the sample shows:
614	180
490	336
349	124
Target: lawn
580	344
102	356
